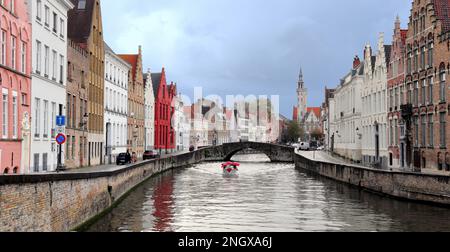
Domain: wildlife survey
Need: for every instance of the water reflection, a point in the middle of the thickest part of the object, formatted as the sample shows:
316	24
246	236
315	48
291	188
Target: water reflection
163	203
265	197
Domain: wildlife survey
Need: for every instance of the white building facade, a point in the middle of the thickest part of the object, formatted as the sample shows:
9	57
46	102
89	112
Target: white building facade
49	61
116	105
181	125
149	103
345	115
375	108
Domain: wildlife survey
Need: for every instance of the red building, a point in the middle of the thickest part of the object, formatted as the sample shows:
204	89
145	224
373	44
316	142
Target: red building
164	110
15	88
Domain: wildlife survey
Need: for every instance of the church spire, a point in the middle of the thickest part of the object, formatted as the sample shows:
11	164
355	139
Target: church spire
301	83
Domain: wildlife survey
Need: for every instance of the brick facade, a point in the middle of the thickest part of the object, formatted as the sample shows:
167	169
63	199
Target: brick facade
396	80
77	105
427	66
85	27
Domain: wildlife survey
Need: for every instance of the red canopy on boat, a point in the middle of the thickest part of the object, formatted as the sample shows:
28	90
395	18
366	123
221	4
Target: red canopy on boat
230	164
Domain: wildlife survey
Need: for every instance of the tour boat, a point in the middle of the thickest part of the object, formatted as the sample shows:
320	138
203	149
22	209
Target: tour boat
230	169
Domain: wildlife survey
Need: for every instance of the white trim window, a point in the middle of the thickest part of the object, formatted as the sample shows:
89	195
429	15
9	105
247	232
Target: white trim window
47	16
53	119
38	10
15	115
5	108
3	51
45	134
38	56
13	52
23	56
55	63
61	69
46	60
37	116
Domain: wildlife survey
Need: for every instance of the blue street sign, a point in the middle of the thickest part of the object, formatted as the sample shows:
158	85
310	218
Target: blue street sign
60	121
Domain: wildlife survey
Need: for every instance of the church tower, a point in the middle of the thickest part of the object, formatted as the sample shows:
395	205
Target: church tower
302	95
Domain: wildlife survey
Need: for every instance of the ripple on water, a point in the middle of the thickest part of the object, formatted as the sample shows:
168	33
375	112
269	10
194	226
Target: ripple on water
265	197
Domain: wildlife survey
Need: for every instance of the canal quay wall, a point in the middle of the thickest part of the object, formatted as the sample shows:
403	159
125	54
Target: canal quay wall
425	188
60	202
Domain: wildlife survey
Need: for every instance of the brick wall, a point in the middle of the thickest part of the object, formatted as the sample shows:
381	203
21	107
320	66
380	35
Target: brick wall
412	186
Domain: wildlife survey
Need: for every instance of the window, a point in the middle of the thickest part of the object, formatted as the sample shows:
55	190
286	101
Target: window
391	134
424	95
431	130
409	63
416	93
55	63
23	56
430	90
69	110
55	23
47	16
395	132
416	131
81	4
45	162
442	85
74	111
442	117
61	69
422	57
430	54
3	50
62	25
5	113
68	145
424	131
13	52
45	119
36	162
416	60
24	99
37	109
73	147
38	57
53	119
46	60
13	6
38	10
15	115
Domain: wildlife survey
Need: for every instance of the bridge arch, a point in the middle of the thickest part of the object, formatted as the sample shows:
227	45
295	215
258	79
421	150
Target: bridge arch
276	153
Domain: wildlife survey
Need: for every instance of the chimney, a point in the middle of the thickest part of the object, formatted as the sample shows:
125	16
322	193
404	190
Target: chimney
356	62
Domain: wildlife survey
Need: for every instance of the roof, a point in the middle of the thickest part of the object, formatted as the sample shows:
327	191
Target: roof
80	21
156	80
442	8
316	110
132	59
387	51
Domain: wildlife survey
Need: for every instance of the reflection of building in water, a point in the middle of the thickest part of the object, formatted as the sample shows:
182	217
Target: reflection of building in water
163	203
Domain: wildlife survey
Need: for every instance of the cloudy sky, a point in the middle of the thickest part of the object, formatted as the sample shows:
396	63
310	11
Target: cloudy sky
232	47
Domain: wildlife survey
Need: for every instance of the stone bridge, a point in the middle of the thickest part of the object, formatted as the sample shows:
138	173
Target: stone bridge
276	153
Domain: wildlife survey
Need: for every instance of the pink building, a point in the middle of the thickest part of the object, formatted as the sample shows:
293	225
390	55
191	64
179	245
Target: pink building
15	86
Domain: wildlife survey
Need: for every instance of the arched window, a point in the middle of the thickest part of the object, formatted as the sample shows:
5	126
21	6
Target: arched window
6	171
15	170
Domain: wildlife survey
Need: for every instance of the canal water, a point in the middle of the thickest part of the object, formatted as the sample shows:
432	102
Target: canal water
266	197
